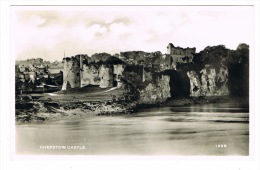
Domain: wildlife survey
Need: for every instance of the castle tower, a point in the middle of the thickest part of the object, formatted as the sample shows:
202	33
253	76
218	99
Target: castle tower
80	69
170	48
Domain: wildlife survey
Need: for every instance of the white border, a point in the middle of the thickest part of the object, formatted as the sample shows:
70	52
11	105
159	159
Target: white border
9	161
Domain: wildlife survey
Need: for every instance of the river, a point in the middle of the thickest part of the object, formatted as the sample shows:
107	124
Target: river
208	129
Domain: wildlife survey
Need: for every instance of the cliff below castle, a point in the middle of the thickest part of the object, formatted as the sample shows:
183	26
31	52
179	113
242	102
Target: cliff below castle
209	83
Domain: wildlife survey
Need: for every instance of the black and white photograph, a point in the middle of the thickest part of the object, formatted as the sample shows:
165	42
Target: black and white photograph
143	80
132	80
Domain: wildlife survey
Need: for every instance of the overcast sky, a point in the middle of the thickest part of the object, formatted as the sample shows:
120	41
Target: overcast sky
48	32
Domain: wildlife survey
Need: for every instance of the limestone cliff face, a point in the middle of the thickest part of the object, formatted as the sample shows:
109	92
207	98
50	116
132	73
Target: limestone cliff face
209	83
156	92
222	81
149	86
195	85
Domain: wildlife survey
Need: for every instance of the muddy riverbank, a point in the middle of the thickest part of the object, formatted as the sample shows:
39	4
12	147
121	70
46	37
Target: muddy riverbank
34	110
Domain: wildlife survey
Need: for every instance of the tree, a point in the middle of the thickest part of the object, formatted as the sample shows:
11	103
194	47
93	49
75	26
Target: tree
243	53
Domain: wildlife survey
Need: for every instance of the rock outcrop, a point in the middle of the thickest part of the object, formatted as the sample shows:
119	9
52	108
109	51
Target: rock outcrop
157	91
222	81
195	85
147	85
210	83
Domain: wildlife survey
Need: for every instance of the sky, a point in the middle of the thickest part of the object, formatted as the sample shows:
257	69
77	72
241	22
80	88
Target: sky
50	32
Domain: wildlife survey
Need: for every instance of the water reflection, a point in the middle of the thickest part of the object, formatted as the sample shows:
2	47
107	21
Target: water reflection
194	130
226	107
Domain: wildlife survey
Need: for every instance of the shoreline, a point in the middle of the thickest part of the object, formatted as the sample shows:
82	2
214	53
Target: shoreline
39	111
43	111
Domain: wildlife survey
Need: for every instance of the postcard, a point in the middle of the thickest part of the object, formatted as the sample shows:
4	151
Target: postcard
136	81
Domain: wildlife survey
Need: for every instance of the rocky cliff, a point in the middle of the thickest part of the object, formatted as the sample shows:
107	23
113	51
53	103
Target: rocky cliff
157	91
148	86
209	83
195	85
237	63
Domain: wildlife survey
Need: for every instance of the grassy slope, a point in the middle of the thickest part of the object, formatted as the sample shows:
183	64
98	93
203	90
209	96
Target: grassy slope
81	94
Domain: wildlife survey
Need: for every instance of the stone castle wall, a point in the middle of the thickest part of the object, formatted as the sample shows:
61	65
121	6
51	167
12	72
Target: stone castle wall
118	73
180	55
106	76
90	75
71	73
171	49
153	88
76	74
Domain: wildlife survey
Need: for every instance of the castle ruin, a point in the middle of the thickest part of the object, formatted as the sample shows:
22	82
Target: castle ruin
79	72
182	55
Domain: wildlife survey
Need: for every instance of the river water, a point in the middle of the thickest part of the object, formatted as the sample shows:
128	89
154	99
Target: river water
211	129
